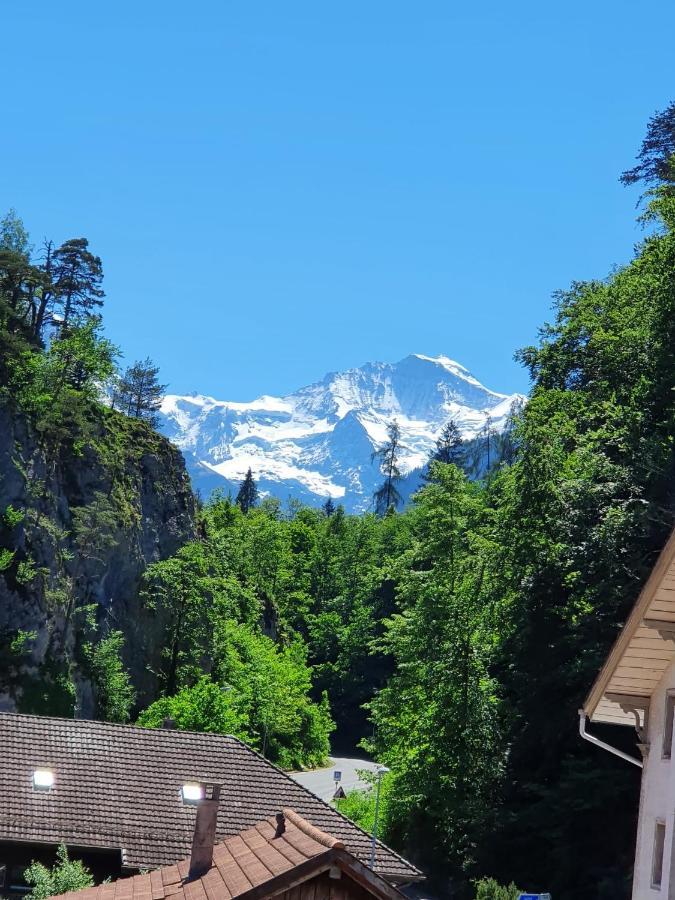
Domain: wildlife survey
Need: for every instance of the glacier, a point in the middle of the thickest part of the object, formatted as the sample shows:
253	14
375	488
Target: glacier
318	441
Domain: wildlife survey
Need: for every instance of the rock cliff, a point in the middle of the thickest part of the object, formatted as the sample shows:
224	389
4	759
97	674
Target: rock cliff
79	522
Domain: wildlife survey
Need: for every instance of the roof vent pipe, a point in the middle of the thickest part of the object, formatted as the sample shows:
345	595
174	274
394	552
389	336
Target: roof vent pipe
281	824
204	837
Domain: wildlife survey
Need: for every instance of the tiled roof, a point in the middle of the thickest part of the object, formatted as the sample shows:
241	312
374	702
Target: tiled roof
119	786
254	858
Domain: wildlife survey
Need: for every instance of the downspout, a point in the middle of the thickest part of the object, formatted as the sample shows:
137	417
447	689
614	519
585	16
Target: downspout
598	743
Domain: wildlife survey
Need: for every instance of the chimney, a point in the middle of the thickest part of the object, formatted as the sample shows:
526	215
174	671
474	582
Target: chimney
169	723
201	857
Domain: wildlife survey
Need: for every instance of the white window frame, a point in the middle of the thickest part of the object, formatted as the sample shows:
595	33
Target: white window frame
668	720
658	854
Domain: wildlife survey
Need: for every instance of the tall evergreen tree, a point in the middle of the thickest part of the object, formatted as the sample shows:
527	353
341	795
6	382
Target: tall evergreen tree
657	154
139	392
328	507
387	496
449	448
247	496
487	437
77	277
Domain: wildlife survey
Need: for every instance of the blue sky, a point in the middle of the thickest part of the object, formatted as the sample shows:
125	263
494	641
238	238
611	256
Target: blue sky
278	190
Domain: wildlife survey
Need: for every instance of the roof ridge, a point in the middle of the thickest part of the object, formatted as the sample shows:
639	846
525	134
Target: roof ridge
321	837
127	726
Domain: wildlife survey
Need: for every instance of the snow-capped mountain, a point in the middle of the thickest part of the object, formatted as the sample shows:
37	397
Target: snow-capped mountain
318	442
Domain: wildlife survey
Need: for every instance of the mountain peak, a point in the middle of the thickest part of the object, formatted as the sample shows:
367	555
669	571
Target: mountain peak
318	441
450	364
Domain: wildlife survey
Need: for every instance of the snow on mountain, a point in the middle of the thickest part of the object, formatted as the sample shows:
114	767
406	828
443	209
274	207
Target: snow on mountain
317	442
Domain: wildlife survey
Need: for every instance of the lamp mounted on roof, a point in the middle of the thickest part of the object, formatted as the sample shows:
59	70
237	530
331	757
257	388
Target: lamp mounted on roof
192	792
43	779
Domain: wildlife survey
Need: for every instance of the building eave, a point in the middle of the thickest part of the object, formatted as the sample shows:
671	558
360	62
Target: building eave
642	652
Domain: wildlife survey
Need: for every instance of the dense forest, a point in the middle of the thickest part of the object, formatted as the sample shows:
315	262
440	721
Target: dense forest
453	639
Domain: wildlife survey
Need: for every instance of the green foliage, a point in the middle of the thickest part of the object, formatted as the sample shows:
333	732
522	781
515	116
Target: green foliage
25	571
6	557
12	517
204	707
187	594
274	683
13	235
359	805
489	889
66	875
259	692
138	391
583	512
114	692
50	691
436	721
20	643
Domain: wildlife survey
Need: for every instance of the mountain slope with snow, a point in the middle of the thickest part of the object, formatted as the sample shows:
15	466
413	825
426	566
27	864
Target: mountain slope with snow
318	441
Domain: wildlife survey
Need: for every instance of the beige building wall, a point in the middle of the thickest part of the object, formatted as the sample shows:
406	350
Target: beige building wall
656	821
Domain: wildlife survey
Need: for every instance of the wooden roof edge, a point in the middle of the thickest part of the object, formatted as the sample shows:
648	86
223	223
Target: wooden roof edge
321	837
375	883
285	881
633	622
372	881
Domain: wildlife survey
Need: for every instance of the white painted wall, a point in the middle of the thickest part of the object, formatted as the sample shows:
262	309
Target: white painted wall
657	802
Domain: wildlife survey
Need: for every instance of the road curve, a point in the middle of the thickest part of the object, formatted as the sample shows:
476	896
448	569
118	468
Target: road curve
321	783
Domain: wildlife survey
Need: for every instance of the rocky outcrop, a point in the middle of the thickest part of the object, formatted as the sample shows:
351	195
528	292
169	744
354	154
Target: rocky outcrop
80	521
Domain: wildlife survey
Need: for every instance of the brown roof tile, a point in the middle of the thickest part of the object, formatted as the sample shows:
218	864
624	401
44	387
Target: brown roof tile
119	787
255	858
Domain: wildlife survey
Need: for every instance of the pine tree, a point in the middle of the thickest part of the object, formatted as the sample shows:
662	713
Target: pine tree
328	508
656	157
508	442
139	392
449	448
487	442
387	496
247	497
77	276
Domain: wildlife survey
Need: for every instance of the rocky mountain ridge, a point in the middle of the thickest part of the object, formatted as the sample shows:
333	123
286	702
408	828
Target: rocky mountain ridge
318	442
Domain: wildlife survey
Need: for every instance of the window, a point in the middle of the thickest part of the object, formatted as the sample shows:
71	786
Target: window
43	779
192	792
657	859
668	726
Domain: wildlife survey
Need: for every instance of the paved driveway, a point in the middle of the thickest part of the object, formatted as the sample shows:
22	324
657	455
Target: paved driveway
320	781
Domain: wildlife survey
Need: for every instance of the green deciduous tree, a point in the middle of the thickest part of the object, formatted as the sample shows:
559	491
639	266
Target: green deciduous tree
113	690
66	875
436	721
13	234
206	706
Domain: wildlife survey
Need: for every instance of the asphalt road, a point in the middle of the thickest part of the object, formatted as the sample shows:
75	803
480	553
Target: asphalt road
321	783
